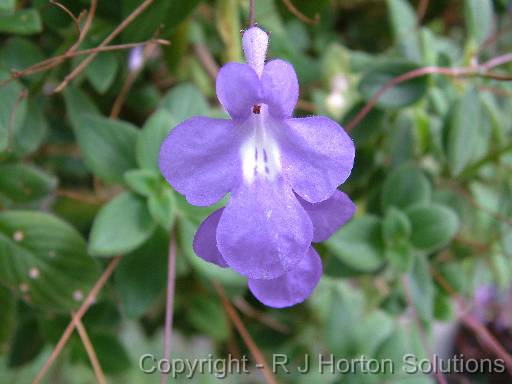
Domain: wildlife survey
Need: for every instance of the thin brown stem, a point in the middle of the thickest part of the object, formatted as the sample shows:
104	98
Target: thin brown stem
480	70
473	324
424	340
244	307
171	280
421	11
206	59
79	68
299	15
78	316
76	20
98	372
249	342
54	61
252	17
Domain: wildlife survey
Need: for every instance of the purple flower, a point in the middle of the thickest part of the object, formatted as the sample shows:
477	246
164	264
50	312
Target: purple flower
282	174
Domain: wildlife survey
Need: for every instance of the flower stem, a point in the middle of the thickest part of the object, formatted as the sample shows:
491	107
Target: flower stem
171	278
252	17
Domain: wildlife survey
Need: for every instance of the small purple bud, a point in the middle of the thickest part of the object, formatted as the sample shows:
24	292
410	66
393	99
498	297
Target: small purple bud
255	44
136	58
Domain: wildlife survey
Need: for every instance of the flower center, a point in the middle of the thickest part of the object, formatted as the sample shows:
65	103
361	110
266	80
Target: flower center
260	152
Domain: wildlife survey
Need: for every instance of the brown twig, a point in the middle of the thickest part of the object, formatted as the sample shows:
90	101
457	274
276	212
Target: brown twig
472	323
80	67
252	17
244	307
206	59
424	340
54	61
421	11
299	15
171	279
76	20
480	70
239	325
130	80
78	316
100	376
82	197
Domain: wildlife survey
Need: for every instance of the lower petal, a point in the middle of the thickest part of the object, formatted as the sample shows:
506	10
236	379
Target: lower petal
205	242
317	156
200	160
291	288
264	231
329	215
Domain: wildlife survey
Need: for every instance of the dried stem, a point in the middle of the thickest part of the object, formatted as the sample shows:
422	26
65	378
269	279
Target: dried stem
252	17
472	323
253	348
244	307
76	20
299	15
78	316
171	278
105	42
54	61
421	11
481	70
206	59
424	340
100	376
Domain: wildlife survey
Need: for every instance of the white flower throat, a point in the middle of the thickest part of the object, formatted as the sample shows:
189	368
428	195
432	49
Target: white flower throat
260	151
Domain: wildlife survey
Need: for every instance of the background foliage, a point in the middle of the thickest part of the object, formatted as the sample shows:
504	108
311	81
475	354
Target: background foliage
79	184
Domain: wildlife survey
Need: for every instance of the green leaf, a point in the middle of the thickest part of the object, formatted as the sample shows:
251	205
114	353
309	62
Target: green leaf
112	355
208	316
45	260
400	255
102	71
143	181
7	6
433	226
27	342
162	206
141	275
395	226
7	317
121	226
403	25
461	131
12	110
421	288
479	17
30	134
20	53
405	185
155	130
400	95
359	244
169	14
107	146
23	183
184	101
78	104
21	22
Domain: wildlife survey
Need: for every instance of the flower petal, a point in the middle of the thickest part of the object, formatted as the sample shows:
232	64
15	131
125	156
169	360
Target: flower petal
329	215
280	87
291	288
200	159
205	242
238	89
317	156
264	231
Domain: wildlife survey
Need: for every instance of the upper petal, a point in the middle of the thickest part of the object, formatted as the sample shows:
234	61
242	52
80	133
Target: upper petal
200	159
238	89
280	87
317	156
205	242
291	288
329	215
264	231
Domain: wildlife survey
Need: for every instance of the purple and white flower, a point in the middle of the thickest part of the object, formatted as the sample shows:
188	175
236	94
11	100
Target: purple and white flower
282	174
